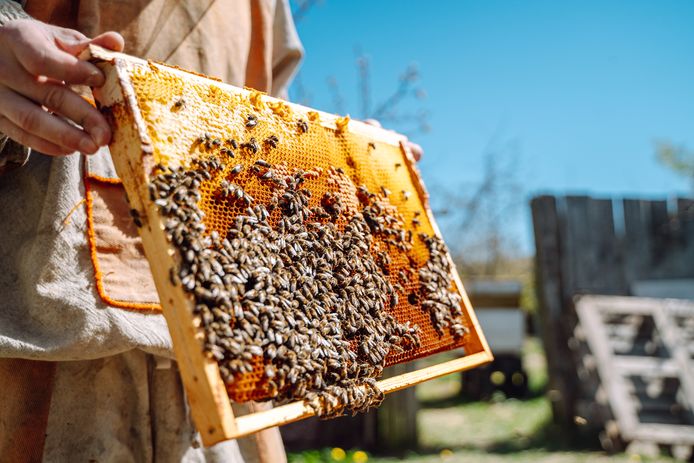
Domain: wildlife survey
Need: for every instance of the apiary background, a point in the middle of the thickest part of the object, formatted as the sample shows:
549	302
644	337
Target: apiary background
160	114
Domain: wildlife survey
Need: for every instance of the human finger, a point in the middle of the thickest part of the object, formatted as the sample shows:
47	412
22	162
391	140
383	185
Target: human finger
61	99
35	52
416	150
25	138
33	119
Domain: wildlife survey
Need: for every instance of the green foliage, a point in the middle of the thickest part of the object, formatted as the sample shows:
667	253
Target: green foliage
679	159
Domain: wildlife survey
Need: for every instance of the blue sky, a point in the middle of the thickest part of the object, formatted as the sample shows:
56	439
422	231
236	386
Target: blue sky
581	90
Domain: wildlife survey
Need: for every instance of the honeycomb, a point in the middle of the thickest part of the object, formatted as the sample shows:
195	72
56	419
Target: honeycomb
181	113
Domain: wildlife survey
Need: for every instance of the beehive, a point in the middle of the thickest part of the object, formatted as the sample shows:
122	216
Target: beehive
164	117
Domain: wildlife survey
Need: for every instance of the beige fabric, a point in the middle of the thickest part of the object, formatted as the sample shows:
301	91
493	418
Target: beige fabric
10	10
124	409
230	39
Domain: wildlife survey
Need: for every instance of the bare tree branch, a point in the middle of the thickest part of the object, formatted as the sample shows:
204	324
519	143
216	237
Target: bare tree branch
364	84
338	100
480	216
299	92
302	8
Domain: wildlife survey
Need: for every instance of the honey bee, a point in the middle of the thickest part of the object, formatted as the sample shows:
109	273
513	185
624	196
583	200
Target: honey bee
226	189
252	145
179	104
272	141
251	121
302	125
227	152
135	214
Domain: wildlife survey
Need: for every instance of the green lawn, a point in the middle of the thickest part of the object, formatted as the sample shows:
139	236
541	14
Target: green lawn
502	430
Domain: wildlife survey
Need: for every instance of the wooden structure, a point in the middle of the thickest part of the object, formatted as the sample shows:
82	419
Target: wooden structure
643	353
497	305
587	245
147	132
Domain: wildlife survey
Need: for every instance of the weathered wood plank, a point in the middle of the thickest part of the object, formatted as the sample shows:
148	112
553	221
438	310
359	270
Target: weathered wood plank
549	278
641	414
590	249
397	417
636	242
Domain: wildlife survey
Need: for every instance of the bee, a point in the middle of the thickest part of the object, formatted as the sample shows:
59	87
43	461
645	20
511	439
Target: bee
262	163
173	278
385	191
232	142
252	145
405	195
398	165
251	121
227	152
179	104
236	169
340	170
372	145
272	141
302	125
135	214
416	223
226	189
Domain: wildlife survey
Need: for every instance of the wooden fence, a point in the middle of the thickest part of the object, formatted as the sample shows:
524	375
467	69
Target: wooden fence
586	245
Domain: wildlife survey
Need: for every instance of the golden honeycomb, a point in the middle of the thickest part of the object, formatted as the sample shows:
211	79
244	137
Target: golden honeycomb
178	112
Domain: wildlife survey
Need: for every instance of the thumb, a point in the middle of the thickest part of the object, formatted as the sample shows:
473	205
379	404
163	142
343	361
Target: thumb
71	41
74	42
111	40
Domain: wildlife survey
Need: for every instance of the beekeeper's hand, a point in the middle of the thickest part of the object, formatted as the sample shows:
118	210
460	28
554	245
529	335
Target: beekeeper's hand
38	62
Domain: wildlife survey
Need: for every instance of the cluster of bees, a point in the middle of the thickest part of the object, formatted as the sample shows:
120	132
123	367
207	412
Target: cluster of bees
444	306
288	290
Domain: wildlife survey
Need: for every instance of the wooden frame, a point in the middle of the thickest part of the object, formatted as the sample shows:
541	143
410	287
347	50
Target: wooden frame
132	153
614	369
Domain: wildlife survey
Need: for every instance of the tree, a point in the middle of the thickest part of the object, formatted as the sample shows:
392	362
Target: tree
679	159
480	218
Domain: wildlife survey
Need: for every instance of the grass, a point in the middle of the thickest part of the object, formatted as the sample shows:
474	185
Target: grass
501	430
